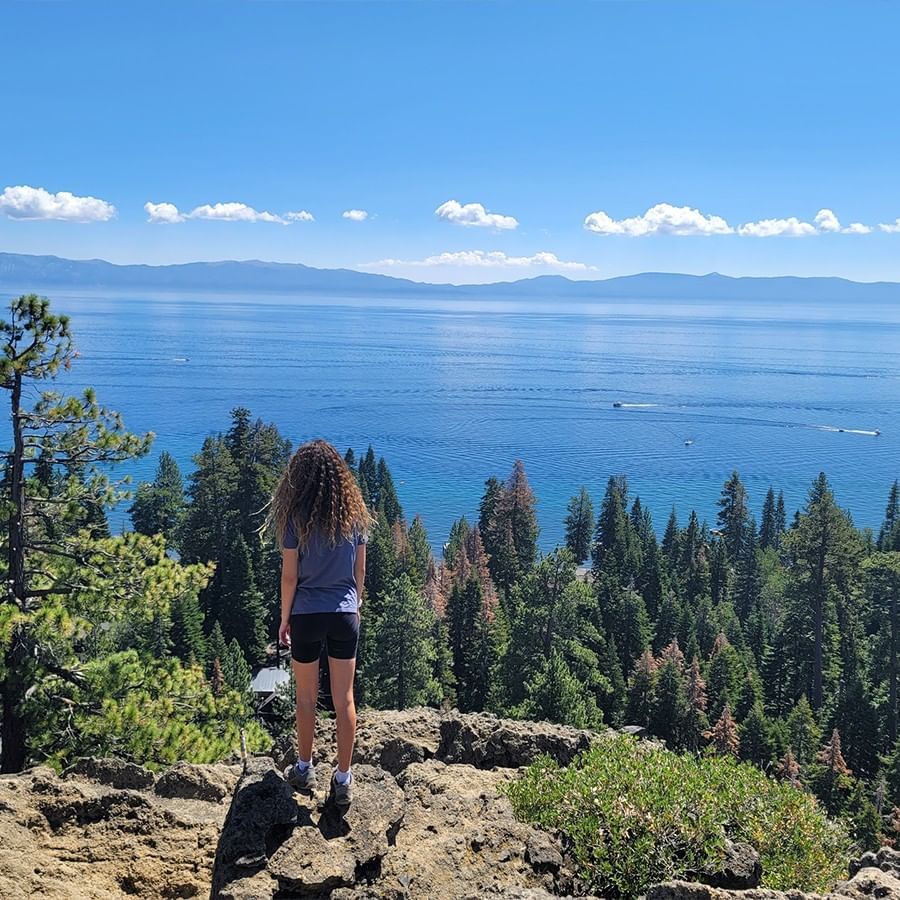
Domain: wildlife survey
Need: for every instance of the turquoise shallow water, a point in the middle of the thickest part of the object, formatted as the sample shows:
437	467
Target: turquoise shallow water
453	391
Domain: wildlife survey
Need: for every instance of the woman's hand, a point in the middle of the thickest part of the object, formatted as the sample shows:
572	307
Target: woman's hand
284	633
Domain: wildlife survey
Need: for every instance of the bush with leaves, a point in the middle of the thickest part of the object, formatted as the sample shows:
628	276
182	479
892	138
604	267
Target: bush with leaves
634	814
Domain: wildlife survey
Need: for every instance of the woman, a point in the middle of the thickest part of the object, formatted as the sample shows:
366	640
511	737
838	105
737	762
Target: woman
321	522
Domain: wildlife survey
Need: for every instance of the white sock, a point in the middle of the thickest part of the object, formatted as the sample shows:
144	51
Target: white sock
303	764
342	777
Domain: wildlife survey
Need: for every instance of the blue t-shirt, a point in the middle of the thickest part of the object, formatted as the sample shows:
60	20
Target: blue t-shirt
326	582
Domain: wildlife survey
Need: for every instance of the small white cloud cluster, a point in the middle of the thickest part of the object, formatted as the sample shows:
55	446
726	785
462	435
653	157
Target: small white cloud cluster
663	218
496	259
169	214
660	219
891	227
474	215
825	222
355	215
25	202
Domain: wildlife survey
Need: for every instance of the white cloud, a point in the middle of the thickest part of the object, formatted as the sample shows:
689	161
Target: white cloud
355	215
474	214
25	202
791	227
233	212
162	213
660	219
892	227
826	220
169	214
488	259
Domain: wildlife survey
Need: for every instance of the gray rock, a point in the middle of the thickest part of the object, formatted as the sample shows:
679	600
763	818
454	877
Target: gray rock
188	781
327	850
887	859
262	814
485	741
387	739
115	773
738	870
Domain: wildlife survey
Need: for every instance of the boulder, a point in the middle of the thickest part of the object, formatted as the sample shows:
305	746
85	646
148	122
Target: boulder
485	741
114	772
327	850
739	869
189	781
387	739
262	814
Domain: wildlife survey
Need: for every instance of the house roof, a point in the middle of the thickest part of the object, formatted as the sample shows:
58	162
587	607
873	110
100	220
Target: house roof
265	681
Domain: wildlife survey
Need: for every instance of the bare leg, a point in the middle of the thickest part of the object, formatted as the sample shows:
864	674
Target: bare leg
342	672
306	678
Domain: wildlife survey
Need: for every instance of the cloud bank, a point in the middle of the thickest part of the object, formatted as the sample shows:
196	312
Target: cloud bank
487	259
25	202
687	221
474	215
169	214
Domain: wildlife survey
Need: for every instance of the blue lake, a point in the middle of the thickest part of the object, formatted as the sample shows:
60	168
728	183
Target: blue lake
453	391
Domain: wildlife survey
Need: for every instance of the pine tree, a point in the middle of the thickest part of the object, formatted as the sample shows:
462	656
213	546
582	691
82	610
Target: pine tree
891	519
350	459
733	516
788	769
468	632
881	572
188	642
671	539
235	670
579	523
768	532
802	732
401	673
632	625
46	553
241	608
696	722
670	710
554	694
387	494
641	690
824	556
368	477
418	557
757	740
780	519
723	736
158	506
832	777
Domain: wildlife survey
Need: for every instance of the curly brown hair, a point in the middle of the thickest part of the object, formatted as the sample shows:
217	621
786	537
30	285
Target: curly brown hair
317	492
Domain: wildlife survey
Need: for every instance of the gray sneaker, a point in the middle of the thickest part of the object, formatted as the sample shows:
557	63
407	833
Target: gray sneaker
304	782
341	795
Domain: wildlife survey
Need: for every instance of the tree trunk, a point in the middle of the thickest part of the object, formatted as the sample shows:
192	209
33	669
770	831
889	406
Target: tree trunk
12	727
12	730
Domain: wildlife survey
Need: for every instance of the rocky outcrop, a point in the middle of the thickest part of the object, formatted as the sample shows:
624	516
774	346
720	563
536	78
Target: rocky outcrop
429	820
873	877
434	831
92	836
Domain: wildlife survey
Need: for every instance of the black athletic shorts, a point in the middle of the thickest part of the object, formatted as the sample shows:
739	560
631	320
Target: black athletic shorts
339	631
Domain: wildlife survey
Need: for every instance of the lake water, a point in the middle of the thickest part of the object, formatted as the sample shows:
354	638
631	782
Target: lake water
453	391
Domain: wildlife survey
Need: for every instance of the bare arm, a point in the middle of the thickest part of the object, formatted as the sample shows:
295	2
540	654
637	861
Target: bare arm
359	573
290	572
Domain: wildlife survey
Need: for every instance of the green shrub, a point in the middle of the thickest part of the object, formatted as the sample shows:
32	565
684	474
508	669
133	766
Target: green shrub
635	814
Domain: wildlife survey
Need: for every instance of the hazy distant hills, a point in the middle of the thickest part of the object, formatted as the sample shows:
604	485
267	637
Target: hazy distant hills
20	272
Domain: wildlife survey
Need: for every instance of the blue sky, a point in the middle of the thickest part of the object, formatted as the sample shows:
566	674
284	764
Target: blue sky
565	121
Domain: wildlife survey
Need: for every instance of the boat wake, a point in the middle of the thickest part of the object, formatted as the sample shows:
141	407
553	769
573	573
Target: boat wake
835	428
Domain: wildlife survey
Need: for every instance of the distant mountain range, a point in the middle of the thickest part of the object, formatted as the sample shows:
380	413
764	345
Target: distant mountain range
21	272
